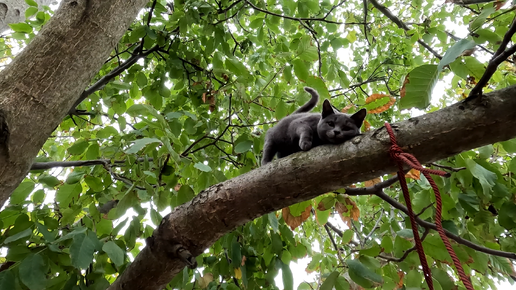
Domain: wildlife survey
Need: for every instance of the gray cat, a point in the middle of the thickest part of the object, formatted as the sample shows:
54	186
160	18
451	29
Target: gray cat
303	131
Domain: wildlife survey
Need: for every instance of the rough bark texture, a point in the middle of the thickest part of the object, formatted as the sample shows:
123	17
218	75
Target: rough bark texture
48	76
221	208
13	11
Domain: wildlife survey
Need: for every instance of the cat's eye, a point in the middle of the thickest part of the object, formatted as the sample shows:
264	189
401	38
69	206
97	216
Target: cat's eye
331	124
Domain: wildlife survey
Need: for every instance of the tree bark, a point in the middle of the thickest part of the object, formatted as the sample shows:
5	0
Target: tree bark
13	11
42	83
221	208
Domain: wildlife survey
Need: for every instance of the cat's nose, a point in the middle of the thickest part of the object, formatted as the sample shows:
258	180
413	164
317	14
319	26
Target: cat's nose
336	132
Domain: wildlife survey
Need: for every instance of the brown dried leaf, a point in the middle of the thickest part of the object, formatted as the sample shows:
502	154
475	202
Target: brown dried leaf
345	214
375	97
499	4
367	126
295	221
414	174
342	210
401	275
403	89
177	187
244	258
205	280
346	108
372	182
384	107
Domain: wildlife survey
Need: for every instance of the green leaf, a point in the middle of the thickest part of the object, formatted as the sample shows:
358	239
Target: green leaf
21	27
18	236
78	147
93	151
443	278
281	110
30	12
140	143
509	146
74	177
243	146
418	91
300	69
114	252
7	280
475	67
486	35
481	18
319	85
322	216
347	236
486	178
202	167
362	275
21	193
236	253
329	282
49	180
309	54
38	196
288	278
94	183
81	251
67	192
406	234
342	284
507	215
236	67
273	221
485	151
298	208
455	51
33	272
31	3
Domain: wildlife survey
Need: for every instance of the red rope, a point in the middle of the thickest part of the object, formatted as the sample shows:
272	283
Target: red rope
401	157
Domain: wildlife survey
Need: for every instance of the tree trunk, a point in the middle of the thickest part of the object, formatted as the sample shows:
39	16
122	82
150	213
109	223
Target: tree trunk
42	83
13	11
221	208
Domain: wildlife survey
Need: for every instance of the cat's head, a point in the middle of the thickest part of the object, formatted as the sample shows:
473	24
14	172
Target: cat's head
336	127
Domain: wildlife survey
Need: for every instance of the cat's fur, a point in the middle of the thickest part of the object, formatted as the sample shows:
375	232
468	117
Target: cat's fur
303	131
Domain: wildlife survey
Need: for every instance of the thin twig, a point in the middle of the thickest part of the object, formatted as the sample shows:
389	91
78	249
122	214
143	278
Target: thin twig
407	252
500	55
401	25
299	18
334	244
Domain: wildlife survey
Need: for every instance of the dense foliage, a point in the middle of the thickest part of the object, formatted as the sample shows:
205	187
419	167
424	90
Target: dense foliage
183	103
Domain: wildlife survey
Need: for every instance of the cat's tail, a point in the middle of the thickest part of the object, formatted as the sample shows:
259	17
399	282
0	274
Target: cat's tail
310	104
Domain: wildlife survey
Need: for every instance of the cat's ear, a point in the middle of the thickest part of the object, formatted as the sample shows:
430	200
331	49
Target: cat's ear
359	117
327	109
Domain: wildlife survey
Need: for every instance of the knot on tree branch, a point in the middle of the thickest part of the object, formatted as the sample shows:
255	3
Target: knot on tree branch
176	251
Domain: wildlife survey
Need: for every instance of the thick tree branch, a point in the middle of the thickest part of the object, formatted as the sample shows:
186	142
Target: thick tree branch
46	79
221	208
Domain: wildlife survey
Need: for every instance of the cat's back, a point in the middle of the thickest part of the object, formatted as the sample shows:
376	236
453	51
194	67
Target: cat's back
286	127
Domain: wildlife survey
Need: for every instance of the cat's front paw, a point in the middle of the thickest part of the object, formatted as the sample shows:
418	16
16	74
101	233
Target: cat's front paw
305	145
